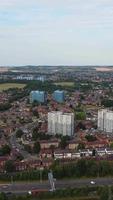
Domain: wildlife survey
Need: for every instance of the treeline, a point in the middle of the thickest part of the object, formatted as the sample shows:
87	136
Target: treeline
39	85
83	168
28	175
79	169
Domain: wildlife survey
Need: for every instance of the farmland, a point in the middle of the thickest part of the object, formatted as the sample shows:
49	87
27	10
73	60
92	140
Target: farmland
69	84
6	86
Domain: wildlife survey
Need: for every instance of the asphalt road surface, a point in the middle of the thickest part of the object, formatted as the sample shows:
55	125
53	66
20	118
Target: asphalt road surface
14	143
23	188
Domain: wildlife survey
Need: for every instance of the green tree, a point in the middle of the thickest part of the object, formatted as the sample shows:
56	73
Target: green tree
80	115
90	138
64	141
6	149
104	168
3	196
19	133
104	193
35	134
35	113
19	157
111	145
81	146
28	148
9	166
107	102
35	103
94	152
5	106
36	148
81	167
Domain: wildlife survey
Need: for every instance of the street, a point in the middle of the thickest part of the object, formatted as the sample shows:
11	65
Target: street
23	188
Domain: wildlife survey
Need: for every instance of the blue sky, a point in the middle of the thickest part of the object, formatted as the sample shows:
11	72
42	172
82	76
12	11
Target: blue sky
54	32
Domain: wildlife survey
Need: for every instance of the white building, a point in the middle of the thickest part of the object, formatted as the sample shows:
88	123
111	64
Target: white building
61	123
105	120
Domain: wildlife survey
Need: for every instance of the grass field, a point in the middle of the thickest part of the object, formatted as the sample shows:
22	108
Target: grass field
64	83
6	86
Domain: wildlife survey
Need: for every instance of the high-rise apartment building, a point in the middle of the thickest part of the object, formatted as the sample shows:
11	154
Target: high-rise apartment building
105	120
39	96
61	123
59	96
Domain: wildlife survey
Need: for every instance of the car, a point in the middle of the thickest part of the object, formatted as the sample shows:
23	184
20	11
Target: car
29	192
93	182
4	186
8	193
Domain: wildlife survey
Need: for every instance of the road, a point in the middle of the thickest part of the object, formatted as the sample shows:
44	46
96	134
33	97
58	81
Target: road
23	188
14	143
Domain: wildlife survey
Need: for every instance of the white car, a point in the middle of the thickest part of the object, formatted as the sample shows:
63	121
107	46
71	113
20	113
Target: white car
5	186
29	192
93	182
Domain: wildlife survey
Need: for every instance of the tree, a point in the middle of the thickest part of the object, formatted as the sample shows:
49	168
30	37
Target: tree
19	157
104	193
36	148
81	126
80	115
104	168
111	145
35	134
107	102
64	141
35	103
28	148
81	146
35	113
93	152
81	167
5	106
39	136
3	196
19	133
9	166
6	149
52	147
91	138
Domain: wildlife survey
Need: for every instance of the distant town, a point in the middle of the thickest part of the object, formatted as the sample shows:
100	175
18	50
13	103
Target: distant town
55	117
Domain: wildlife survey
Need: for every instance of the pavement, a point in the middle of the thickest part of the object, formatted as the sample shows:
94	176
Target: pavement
23	188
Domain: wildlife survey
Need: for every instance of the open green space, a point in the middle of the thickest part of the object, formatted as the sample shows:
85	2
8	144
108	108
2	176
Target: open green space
65	83
6	86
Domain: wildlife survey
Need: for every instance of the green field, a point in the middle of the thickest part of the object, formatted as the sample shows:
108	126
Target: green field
6	86
65	83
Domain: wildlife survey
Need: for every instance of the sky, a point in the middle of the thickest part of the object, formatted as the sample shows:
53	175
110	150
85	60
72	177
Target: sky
56	32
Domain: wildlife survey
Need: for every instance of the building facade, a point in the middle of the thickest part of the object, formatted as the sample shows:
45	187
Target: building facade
61	123
105	120
59	96
39	96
